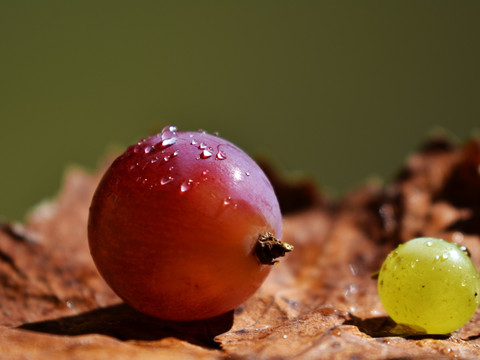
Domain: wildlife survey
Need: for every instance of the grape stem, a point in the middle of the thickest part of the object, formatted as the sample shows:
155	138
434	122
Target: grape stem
268	248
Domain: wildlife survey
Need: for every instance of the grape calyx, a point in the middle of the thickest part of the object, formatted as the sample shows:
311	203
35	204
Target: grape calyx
268	248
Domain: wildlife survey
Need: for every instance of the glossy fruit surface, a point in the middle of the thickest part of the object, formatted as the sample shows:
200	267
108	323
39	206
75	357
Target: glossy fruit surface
175	221
429	285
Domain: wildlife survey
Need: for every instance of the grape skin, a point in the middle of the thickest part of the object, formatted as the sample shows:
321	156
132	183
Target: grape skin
429	285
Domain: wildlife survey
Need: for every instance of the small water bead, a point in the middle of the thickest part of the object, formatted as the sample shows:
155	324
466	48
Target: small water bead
148	149
205	172
429	243
186	185
137	149
202	146
171	168
145	180
166	180
70	304
169	136
168	142
247	173
227	200
205	154
193	142
175	153
169	128
220	156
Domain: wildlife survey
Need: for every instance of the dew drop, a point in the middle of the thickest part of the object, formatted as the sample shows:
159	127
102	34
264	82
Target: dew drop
153	161
444	256
70	304
132	167
170	168
429	243
227	200
175	153
193	142
337	332
205	172
220	156
137	149
186	185
202	146
148	149
165	180
168	142
145	180
169	137
205	154
247	173
169	128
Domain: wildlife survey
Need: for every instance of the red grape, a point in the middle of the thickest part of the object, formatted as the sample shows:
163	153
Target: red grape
184	226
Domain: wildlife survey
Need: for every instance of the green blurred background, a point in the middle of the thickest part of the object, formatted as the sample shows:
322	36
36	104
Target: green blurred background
336	90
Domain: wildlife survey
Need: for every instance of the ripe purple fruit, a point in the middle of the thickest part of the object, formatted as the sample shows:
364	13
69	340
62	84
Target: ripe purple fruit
184	226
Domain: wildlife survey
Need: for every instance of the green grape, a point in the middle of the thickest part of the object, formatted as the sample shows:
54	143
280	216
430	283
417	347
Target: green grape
429	285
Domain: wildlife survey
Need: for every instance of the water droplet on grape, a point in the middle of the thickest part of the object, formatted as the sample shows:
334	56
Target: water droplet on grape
165	180
247	173
169	136
227	200
170	168
204	172
205	154
444	256
220	156
148	149
175	153
429	243
145	180
202	146
193	142
168	142
137	149
169	128
186	185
